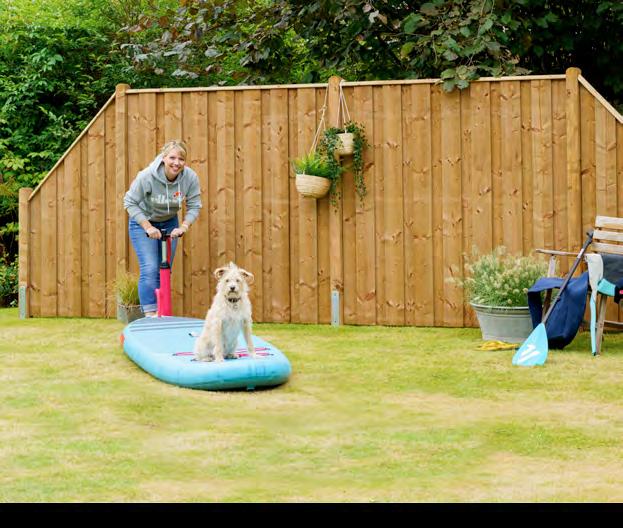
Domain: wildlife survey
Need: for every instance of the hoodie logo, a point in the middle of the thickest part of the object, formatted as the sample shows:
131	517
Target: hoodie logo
177	195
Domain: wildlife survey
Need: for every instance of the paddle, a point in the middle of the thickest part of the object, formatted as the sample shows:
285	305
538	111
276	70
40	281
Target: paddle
534	349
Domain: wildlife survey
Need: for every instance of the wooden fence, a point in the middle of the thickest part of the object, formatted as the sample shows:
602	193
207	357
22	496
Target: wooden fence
523	162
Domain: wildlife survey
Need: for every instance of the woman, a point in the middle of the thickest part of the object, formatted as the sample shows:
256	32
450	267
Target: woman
152	203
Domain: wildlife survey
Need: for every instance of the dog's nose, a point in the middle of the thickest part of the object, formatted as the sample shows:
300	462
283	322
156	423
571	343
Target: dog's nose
232	288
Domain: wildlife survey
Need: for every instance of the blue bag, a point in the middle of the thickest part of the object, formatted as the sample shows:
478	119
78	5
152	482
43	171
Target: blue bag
564	321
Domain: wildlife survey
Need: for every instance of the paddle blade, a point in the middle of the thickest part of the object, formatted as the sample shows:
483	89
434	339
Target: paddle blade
534	349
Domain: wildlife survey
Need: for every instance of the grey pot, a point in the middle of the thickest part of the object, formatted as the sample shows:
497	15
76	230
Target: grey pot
500	323
128	313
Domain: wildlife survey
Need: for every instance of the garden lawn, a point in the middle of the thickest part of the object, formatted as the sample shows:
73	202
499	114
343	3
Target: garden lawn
369	414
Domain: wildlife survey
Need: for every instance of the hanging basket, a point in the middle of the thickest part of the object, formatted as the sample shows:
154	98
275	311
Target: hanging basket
345	145
312	186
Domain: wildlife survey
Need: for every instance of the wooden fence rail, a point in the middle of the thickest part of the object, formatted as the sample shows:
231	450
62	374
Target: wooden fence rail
523	162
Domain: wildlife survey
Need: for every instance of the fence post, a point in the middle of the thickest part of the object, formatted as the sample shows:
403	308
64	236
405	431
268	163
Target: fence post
574	179
24	248
336	246
121	175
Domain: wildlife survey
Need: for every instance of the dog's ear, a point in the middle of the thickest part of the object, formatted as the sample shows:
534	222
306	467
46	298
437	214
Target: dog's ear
248	276
219	272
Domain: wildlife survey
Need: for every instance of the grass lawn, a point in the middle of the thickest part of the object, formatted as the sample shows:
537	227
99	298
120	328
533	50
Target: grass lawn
370	414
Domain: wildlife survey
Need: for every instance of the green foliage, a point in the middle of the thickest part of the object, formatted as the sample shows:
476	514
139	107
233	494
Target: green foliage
501	279
126	289
8	282
256	42
328	146
316	164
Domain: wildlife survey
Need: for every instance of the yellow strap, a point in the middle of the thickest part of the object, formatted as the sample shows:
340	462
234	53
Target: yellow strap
497	345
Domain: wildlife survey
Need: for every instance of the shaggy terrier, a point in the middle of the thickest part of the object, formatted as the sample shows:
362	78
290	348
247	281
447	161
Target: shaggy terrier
229	314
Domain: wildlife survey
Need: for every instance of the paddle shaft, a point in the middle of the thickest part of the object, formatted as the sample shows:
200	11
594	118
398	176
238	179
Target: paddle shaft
576	263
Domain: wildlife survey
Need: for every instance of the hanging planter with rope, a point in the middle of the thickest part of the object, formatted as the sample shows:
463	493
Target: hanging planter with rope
346	138
315	174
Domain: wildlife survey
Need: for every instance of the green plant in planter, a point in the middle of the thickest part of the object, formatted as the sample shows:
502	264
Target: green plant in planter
316	164
329	144
501	279
126	297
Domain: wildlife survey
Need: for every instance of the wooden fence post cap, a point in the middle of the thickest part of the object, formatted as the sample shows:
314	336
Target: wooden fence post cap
122	87
573	71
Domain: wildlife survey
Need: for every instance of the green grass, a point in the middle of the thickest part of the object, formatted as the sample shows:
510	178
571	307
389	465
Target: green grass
369	414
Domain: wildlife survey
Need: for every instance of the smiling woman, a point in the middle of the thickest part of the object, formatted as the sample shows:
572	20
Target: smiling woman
153	202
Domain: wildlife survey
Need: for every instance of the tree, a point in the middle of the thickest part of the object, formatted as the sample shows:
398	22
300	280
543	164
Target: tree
255	42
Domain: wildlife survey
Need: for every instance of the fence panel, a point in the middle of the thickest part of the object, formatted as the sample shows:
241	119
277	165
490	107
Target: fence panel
522	162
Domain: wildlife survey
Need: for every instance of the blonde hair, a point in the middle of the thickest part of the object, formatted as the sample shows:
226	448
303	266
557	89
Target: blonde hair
174	144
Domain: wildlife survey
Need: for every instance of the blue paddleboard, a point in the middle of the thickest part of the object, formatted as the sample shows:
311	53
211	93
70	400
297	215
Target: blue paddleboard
163	347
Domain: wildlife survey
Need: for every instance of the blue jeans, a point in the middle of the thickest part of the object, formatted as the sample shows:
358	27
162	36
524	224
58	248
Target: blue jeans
149	255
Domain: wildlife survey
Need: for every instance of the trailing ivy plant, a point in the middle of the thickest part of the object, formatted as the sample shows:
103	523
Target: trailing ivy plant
329	144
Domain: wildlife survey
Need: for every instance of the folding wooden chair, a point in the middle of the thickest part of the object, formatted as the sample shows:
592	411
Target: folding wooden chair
607	240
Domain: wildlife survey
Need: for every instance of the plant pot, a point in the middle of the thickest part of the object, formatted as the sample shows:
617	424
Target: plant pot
128	313
499	323
345	145
312	186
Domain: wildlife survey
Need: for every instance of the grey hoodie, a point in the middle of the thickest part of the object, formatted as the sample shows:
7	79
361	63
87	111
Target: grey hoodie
152	197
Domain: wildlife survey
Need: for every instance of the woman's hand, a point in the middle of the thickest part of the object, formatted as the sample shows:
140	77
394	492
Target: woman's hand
179	231
153	232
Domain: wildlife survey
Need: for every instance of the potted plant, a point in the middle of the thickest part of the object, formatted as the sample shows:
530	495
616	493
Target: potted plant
126	296
348	140
314	174
496	287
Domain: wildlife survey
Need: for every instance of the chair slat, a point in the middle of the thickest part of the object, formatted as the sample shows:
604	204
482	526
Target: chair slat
598	247
609	222
607	236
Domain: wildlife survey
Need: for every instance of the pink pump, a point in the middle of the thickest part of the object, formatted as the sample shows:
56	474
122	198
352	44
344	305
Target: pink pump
163	294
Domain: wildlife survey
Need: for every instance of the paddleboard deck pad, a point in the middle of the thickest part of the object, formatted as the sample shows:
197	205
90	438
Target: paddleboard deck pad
163	347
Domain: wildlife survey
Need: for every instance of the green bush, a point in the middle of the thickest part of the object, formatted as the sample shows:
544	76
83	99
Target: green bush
8	282
501	279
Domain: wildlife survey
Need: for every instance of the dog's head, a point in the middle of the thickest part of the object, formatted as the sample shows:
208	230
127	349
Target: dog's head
233	282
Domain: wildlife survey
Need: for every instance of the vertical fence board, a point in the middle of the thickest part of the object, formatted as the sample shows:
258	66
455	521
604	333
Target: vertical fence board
349	228
48	298
379	205
573	151
307	216
393	226
24	256
63	222
96	218
559	166
251	198
452	208
364	219
511	190
135	161
294	150
85	241
324	229
73	255
587	163
437	230
173	129
497	183
481	179
527	168
542	160
35	259
112	230
468	197
193	244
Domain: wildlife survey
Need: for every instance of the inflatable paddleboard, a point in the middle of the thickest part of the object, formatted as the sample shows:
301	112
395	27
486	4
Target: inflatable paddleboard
163	347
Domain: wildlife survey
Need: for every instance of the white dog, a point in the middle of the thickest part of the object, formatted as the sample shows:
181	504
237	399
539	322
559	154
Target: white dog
229	314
